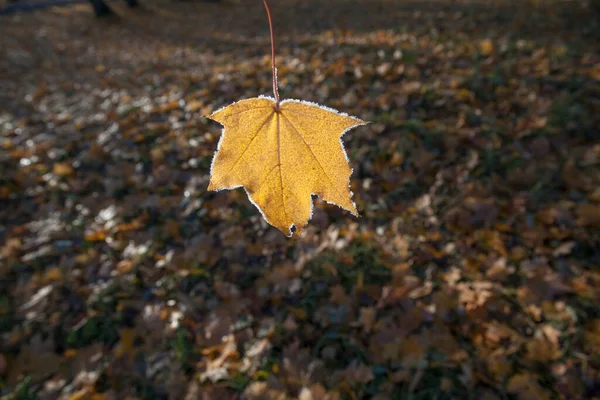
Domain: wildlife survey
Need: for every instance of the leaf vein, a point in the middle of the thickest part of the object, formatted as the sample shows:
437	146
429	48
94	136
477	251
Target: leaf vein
280	166
309	149
260	185
251	141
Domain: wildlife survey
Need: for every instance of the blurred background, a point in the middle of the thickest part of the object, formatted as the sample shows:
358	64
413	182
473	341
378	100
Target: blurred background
472	271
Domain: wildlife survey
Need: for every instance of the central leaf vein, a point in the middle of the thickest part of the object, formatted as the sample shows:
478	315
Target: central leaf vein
309	149
279	162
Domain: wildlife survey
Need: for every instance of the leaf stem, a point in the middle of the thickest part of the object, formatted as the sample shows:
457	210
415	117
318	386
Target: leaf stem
275	87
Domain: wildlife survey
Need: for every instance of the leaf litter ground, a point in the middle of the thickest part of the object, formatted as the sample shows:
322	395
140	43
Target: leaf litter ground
472	272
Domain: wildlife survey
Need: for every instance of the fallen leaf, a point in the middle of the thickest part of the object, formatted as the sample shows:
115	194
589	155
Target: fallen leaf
283	156
126	344
589	215
544	346
11	247
96	236
338	295
486	47
194	105
53	275
368	316
124	266
62	169
592	337
564	249
526	387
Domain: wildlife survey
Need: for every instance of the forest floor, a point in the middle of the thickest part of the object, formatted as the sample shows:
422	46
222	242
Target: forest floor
472	272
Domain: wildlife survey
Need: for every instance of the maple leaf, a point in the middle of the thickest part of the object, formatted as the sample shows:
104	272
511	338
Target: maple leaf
281	156
282	153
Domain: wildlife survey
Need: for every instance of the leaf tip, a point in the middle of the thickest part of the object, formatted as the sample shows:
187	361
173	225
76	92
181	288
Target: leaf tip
212	187
360	122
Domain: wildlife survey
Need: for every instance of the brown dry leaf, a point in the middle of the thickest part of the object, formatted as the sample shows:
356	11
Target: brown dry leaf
11	247
592	337
194	105
544	347
283	156
492	241
589	215
526	387
474	295
498	367
412	351
216	369
338	295
124	266
170	106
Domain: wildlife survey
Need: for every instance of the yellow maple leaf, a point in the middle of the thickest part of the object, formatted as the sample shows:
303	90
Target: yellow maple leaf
282	153
282	156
